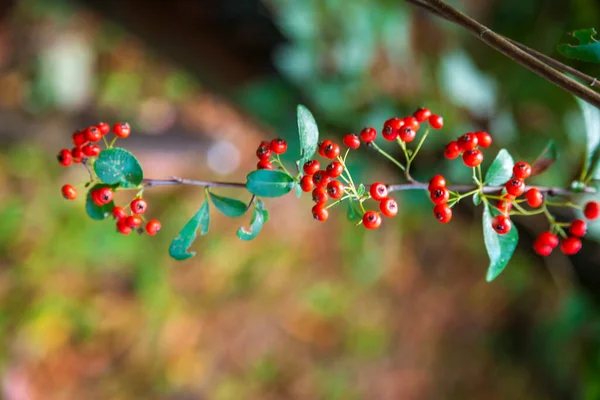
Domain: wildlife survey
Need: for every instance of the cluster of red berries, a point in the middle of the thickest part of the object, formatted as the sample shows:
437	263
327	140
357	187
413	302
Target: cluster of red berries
468	146
387	205
439	195
267	149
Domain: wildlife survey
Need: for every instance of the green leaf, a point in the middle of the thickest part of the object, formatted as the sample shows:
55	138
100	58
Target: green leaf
545	160
588	48
308	133
119	166
360	191
352	214
501	169
591	117
260	216
477	199
269	183
187	235
229	207
500	248
98	212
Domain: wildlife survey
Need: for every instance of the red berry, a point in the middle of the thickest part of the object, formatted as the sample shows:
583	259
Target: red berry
436	121
407	134
422	114
320	178
104	127
77	154
322	145
592	210
122	227
501	224
133	221
368	135
570	245
79	139
504	206
91	150
548	239
263	152
69	192
437	181
121	129
542	249
578	228
352	141
278	146
319	195
439	195
442	213
412	123
452	150
484	139
332	150
371	220
391	128
522	170
138	206
334	169
93	134
119	212
320	213
378	191
64	157
96	198
515	187
105	195
467	141
473	157
311	167
534	198
335	189
306	183
388	207
152	227
264	164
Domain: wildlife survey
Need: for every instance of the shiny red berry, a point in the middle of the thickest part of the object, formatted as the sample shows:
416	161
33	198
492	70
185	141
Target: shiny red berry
105	195
332	150
79	139
473	157
264	164
306	183
570	245
352	141
542	249
311	167
91	150
64	157
93	134
138	206
371	220
320	213
334	169
578	228
591	210
422	114
412	123
122	227
452	150
548	239
77	154
436	181
407	135
69	192
119	212
322	145
335	189
96	198
152	227
484	139
504	206
522	170
467	141
278	146
534	198
391	128
133	221
368	135
319	195
320	178
442	213
436	121
121	129
263	152
103	127
439	195
515	187
388	207
501	224
378	191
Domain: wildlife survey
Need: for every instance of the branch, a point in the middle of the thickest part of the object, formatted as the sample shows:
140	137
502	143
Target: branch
180	181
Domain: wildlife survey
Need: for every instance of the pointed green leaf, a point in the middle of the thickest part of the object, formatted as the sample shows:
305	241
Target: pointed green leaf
588	48
545	160
187	235
117	165
308	133
352	214
269	183
360	191
229	207
500	248
501	169
98	212
591	117
260	216
477	199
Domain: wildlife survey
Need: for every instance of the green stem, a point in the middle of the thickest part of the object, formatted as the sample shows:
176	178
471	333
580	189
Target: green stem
414	154
389	157
278	161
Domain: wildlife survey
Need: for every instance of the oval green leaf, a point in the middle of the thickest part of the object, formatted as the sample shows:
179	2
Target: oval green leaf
98	212
500	248
187	235
308	133
591	118
545	160
229	207
477	199
269	183
353	215
118	166
501	169
260	216
587	50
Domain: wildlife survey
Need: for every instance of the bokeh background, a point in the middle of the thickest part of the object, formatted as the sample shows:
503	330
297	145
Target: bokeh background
305	311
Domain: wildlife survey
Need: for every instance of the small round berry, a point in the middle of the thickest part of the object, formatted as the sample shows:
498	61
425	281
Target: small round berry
122	227
133	221
422	114
467	141
311	167
319	195
64	157
436	121
378	191
278	146
371	220
439	195
368	135
484	139
119	212
442	213
103	127
79	139
121	129
105	195
391	128
473	157
452	150
77	154
501	224
578	228
322	145
320	178
306	183
534	198
335	169
388	207
152	227
436	181
263	152
504	206
412	123
332	150
91	150
522	170
93	134
320	213
515	187
592	210
352	141
548	239
570	245
264	164
96	198
69	192
407	134
138	206
335	189
542	249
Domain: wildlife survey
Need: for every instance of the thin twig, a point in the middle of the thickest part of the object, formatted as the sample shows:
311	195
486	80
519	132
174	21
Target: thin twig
180	181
